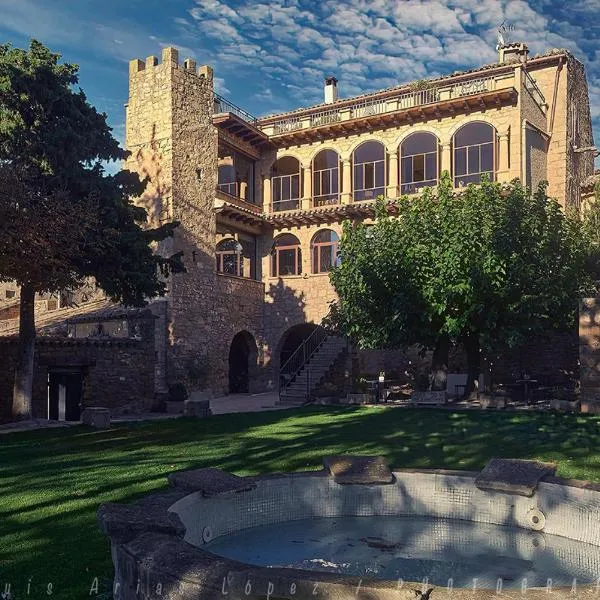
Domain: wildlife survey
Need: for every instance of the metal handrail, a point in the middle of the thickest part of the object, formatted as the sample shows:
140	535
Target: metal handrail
297	361
222	105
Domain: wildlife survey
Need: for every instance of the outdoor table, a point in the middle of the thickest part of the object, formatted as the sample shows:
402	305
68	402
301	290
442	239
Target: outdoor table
525	383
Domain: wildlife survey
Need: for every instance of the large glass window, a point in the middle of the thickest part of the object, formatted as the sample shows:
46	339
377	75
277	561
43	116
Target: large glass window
285	184
368	162
326	178
474	153
236	174
419	162
286	256
324	251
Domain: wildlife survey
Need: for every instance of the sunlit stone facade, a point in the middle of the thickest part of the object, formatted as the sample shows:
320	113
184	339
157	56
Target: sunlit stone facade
261	201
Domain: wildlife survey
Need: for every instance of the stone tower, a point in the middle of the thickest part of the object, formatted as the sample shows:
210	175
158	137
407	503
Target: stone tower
173	142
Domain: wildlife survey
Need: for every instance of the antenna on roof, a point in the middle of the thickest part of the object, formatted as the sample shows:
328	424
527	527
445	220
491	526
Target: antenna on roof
502	30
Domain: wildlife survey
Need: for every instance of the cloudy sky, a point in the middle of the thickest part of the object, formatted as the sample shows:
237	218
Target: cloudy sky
272	55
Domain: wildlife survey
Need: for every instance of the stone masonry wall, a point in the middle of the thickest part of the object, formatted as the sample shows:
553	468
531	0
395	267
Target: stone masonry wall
579	132
239	305
550	77
118	374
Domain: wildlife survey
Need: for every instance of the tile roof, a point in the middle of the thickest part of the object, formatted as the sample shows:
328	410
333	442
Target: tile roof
406	86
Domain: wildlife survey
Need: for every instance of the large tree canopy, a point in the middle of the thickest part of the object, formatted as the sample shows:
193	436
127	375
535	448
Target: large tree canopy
62	217
491	265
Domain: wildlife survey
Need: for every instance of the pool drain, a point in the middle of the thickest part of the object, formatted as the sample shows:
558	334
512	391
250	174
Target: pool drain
536	519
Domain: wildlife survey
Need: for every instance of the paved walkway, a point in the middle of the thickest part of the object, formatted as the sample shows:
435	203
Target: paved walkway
235	403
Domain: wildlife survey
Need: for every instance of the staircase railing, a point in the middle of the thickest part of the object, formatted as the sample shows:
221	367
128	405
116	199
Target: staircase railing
297	361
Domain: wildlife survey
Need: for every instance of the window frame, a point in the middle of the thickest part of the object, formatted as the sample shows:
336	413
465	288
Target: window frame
425	182
474	176
277	185
316	247
277	250
364	190
318	176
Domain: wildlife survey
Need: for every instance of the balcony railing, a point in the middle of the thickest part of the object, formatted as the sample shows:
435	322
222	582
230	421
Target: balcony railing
222	105
430	94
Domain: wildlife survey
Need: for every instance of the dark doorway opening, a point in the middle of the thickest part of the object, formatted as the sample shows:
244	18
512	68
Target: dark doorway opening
242	360
64	395
292	340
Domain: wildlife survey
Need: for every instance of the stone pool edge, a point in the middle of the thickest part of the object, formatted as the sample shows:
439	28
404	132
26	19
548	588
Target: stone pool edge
152	560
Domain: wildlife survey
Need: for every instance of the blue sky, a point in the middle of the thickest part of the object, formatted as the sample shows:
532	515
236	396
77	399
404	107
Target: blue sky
272	55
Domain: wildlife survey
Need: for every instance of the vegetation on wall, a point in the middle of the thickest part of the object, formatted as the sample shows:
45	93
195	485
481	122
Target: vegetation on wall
62	217
490	266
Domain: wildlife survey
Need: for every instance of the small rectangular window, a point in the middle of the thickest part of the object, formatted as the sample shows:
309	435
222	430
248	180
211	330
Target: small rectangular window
10	294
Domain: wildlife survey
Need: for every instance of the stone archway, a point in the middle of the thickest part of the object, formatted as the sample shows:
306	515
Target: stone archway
242	362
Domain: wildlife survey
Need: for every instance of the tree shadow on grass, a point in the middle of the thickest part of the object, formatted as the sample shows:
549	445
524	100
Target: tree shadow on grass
52	481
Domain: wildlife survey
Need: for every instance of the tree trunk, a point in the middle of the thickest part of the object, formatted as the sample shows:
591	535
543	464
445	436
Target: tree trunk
471	344
23	387
439	363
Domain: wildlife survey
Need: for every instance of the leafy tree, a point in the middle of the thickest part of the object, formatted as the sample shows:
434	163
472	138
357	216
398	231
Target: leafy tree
489	266
62	217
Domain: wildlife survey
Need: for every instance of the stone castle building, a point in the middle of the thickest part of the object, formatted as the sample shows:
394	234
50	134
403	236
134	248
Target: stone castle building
261	201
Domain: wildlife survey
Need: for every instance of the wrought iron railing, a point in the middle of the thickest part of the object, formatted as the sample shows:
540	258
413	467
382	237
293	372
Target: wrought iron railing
222	105
297	361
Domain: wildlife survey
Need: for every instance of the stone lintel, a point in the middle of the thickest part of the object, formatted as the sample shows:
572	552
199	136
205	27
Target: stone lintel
359	470
211	482
513	476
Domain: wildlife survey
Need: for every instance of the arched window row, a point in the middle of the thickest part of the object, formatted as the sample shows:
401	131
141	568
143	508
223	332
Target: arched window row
371	172
286	253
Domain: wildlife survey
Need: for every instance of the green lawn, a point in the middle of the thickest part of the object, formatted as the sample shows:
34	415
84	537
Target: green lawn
52	481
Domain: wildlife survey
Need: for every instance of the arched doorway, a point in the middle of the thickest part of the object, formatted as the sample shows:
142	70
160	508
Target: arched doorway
242	361
292	339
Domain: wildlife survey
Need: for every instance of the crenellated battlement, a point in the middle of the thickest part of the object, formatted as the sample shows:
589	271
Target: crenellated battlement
170	57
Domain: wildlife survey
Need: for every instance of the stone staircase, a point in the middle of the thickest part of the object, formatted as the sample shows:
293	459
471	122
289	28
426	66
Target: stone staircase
298	389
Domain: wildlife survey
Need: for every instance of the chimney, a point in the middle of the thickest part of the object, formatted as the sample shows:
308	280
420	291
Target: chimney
330	90
515	52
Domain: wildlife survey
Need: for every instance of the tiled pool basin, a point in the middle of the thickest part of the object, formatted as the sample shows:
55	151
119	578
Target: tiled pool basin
315	535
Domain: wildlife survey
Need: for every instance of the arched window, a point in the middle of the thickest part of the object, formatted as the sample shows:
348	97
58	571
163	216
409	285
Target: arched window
474	153
324	247
326	178
285	184
286	256
229	257
419	162
368	162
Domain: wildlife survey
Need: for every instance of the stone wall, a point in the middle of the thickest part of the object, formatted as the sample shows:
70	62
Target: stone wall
239	305
118	374
589	353
579	132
